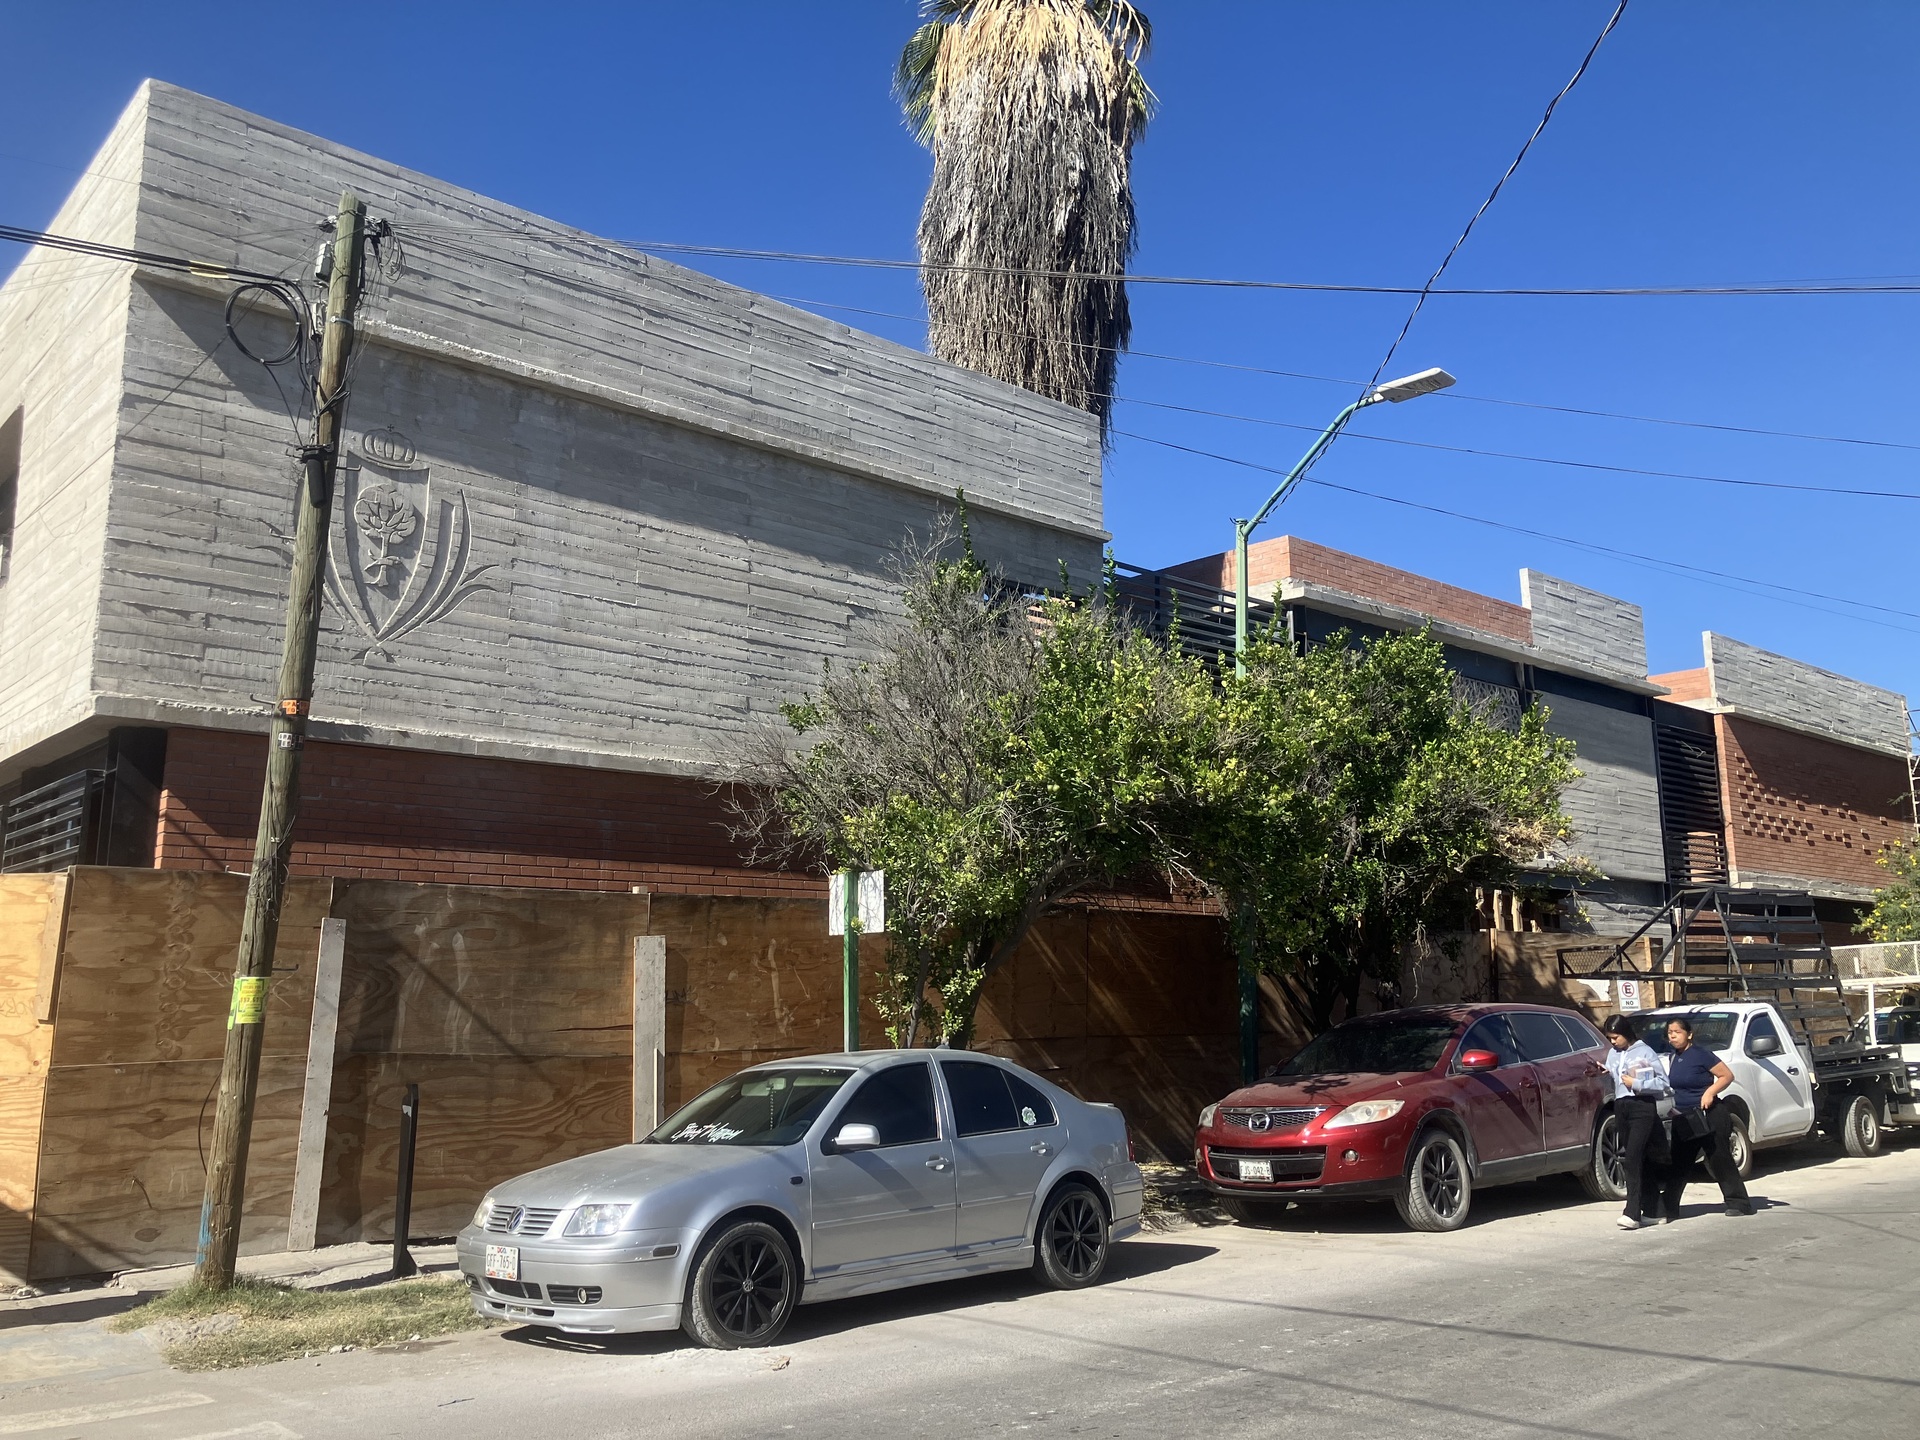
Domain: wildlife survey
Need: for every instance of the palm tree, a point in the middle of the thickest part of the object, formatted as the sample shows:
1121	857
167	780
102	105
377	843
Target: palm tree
1031	109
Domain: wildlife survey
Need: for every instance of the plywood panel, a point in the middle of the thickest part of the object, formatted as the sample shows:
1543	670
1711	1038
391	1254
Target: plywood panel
1159	975
482	1120
30	911
146	969
122	1174
748	975
1042	990
469	970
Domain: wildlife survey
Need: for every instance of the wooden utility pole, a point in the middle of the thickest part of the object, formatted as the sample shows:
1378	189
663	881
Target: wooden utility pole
240	1068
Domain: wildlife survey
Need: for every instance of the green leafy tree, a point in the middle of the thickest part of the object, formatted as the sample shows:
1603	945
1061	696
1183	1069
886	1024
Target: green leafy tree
1896	911
1031	109
1355	802
998	754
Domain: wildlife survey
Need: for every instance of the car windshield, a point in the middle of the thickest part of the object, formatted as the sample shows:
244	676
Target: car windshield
1711	1028
757	1107
1374	1047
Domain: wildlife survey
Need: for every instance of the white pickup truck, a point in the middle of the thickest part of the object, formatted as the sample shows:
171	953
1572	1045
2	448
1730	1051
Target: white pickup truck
1781	1091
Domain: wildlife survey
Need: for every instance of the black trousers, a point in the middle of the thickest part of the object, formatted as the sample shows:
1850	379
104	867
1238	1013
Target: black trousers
1645	1141
1719	1153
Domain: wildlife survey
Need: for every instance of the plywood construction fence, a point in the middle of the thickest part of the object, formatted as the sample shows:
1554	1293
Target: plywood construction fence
538	1024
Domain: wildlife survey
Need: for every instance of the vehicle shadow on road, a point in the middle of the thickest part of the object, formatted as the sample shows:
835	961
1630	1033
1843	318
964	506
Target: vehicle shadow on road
1130	1260
70	1312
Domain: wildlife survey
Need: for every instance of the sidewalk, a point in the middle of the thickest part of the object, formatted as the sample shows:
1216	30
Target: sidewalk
54	1336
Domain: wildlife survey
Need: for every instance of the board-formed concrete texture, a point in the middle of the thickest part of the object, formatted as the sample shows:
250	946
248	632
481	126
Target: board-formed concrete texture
1615	804
595	507
1568	619
1747	680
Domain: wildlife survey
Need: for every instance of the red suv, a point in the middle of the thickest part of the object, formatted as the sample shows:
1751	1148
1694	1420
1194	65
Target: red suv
1418	1106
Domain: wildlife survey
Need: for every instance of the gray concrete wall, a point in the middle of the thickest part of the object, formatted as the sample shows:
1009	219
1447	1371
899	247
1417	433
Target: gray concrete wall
62	325
638	507
1615	804
1750	681
1606	632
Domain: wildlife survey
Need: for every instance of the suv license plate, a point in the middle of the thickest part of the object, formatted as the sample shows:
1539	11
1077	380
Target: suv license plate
1249	1170
503	1262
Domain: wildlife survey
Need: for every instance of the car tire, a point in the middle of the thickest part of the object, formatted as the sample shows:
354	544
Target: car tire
1252	1212
1740	1146
1605	1175
1070	1243
1438	1190
743	1287
1860	1132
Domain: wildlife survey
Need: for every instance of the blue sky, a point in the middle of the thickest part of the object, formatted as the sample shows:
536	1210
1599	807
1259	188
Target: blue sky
1710	144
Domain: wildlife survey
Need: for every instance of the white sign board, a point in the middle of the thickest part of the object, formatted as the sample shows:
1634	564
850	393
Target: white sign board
1630	995
872	893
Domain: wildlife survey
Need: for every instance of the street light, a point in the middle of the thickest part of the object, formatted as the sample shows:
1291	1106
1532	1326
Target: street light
1407	387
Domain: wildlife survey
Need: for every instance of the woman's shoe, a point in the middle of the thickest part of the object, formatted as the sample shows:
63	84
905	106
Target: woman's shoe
1627	1222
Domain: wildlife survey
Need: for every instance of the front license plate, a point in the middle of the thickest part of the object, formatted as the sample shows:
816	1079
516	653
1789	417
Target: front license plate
1249	1170
503	1262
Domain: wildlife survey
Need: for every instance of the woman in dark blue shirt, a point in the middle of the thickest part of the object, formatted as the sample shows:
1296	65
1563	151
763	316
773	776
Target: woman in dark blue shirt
1699	1125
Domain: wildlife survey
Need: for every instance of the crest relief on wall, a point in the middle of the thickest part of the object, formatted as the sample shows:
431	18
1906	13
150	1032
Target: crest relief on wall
400	554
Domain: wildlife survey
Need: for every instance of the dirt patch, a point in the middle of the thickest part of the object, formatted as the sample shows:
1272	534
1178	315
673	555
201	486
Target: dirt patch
257	1322
1176	1198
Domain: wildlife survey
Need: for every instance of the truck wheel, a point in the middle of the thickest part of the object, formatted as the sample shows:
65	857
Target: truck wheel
1437	1191
1605	1175
1740	1147
1860	1127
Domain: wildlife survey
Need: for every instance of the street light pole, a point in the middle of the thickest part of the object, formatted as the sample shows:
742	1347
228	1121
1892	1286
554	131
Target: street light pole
1395	391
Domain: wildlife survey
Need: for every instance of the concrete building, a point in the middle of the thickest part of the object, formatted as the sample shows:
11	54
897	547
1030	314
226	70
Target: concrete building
1755	770
598	514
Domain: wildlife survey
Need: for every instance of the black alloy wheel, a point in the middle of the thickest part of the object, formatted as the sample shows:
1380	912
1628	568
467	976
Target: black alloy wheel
1072	1248
1605	1174
743	1288
1437	1191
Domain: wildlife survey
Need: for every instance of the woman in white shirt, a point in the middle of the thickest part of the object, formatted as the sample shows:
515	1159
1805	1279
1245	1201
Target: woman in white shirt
1639	1084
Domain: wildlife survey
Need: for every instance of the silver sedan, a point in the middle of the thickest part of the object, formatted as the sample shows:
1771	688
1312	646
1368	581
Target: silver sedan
810	1179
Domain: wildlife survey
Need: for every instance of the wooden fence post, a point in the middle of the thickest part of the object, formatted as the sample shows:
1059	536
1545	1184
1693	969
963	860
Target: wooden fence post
311	1155
649	1033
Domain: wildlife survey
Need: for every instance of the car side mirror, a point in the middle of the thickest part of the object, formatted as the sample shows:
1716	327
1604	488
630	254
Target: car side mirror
855	1137
1479	1060
1764	1045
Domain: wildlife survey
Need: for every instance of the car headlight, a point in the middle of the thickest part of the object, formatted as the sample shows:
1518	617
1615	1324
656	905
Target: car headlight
1366	1112
481	1211
597	1219
1206	1116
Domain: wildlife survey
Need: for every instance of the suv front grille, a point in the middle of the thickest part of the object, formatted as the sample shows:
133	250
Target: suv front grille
1293	1164
520	1220
1266	1119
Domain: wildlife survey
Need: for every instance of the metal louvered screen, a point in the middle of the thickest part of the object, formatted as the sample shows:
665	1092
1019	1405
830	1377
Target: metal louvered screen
1693	827
1156	601
48	828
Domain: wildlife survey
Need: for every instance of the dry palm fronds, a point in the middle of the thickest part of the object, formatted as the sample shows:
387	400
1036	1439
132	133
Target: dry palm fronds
1031	108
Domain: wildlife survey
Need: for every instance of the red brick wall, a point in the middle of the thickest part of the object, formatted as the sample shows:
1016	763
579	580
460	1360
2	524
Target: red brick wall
1800	806
1686	684
1290	557
373	812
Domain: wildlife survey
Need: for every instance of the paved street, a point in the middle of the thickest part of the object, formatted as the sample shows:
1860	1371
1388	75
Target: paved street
1539	1319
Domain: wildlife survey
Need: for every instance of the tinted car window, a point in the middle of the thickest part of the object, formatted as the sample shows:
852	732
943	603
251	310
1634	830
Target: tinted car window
759	1107
1374	1046
1582	1034
1033	1108
981	1101
1711	1028
1491	1034
898	1102
1540	1036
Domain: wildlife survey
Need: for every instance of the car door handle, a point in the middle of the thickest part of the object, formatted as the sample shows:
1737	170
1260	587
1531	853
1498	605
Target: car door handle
938	1162
1042	1148
1793	1069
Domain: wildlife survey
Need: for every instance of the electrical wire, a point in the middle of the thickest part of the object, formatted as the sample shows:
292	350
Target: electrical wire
1856	286
1744	584
1494	194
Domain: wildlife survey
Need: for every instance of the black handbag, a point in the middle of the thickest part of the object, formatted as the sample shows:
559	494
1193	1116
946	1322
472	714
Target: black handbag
1694	1123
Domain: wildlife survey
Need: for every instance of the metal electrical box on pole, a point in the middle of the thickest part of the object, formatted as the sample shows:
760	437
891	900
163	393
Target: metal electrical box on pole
273	842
